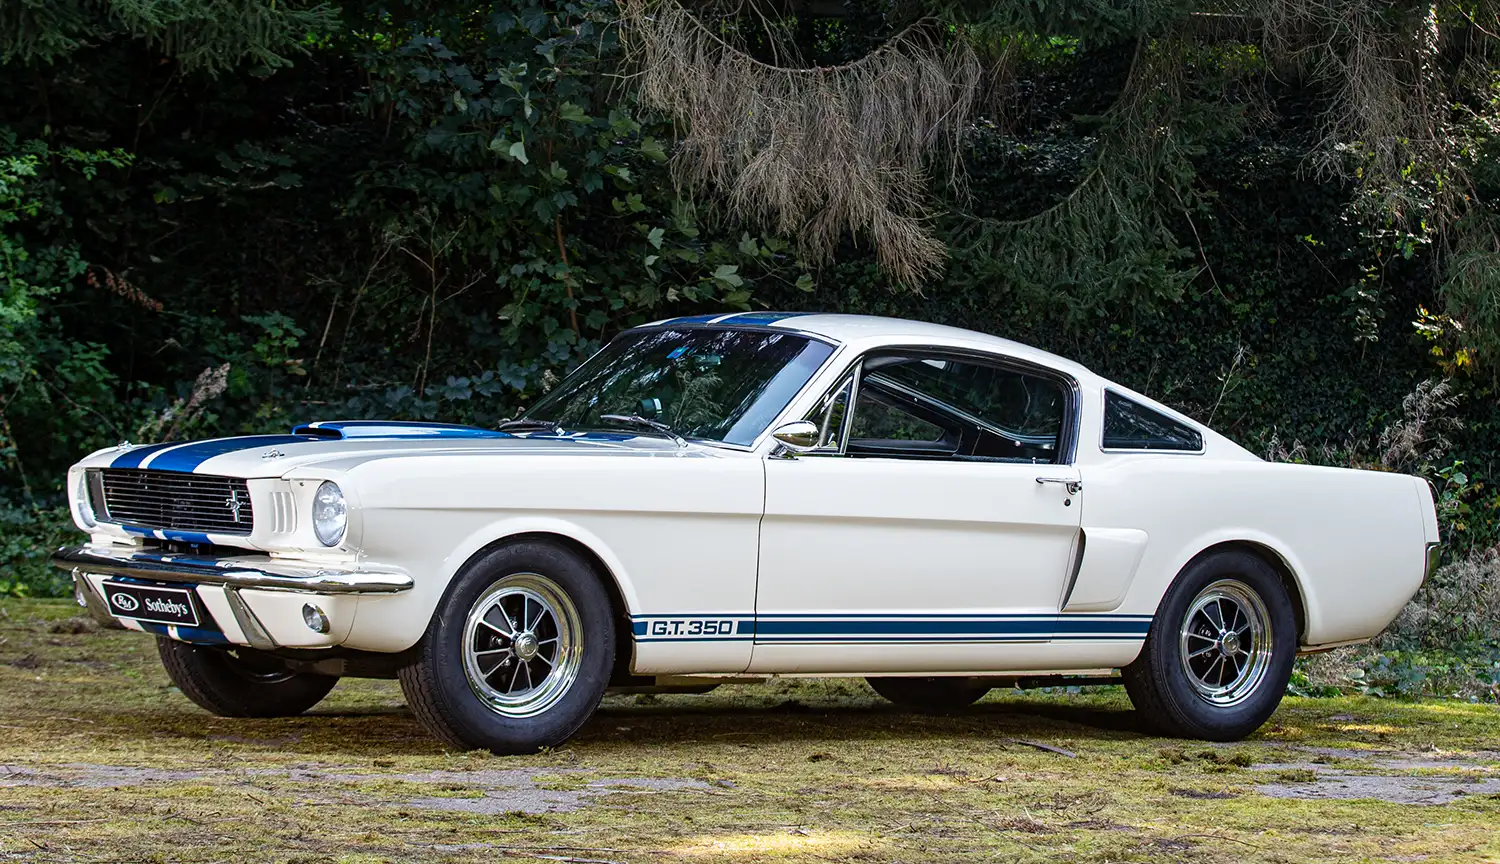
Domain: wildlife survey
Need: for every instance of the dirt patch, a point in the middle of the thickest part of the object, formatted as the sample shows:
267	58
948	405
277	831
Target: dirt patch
79	775
499	791
1381	775
1392	788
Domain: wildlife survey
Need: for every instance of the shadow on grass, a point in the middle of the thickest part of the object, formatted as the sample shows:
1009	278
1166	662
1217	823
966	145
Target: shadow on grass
363	733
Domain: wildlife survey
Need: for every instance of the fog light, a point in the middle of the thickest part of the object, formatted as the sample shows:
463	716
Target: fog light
314	618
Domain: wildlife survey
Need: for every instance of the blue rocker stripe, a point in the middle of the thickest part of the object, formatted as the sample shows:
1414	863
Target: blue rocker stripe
741	626
1035	626
931	628
744	638
197	635
1106	616
988	639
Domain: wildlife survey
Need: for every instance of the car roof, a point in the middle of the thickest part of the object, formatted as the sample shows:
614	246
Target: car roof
869	331
873	328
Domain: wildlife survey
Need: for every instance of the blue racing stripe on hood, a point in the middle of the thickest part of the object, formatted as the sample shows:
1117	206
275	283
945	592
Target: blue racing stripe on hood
190	457
132	458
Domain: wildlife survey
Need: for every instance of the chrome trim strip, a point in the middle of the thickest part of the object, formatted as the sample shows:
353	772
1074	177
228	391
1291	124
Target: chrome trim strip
1079	550
255	632
97	608
247	572
1434	555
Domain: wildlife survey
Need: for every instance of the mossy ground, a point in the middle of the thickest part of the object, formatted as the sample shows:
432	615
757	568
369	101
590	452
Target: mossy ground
791	770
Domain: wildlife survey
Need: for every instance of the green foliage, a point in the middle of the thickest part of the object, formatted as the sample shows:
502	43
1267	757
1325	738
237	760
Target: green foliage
1467	670
27	539
213	223
202	35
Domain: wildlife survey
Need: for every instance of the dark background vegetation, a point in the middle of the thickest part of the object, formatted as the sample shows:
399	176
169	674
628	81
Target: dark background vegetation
221	218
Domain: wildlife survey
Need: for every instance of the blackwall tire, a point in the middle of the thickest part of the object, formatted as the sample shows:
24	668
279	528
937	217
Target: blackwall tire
929	694
240	682
518	654
1220	650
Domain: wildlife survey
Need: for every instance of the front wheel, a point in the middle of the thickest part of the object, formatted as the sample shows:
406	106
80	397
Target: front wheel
930	694
1219	654
240	682
519	654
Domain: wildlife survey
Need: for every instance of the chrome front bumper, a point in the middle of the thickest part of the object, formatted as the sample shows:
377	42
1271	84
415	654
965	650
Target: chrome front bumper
251	571
257	572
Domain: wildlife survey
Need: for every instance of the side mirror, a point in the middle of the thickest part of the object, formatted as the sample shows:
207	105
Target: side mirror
799	435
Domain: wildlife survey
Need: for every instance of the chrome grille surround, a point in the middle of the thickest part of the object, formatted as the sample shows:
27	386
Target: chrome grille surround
177	501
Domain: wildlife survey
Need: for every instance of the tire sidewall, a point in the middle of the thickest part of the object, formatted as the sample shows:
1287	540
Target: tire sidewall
1194	714
470	719
221	684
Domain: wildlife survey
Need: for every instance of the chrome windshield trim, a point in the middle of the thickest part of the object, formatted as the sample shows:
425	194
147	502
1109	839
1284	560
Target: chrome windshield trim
251	571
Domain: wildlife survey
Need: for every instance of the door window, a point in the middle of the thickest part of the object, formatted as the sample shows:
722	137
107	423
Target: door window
929	406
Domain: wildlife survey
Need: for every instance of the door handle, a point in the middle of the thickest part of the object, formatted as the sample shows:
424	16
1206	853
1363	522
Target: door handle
1068	483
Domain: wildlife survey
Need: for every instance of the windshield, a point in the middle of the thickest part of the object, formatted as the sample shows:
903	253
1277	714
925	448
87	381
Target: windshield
714	385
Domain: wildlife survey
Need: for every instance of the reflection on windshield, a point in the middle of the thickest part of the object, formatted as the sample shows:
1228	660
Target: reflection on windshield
715	385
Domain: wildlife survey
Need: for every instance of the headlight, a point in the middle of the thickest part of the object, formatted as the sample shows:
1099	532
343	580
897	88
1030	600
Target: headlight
85	509
330	516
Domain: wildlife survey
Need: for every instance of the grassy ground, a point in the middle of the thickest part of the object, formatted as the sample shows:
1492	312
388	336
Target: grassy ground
101	760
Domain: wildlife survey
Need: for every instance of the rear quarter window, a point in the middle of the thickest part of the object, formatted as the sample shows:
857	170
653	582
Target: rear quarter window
1129	425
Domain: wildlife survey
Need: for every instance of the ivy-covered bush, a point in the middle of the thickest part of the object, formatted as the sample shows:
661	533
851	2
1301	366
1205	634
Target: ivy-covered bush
225	218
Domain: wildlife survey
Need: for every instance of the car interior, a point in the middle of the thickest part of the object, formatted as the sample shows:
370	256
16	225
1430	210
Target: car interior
929	406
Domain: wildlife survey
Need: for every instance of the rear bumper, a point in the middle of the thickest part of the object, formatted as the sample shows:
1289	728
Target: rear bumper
257	571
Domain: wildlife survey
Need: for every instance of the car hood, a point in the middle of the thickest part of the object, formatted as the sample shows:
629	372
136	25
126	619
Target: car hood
343	444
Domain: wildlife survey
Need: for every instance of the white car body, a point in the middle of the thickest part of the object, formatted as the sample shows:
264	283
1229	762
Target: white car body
739	561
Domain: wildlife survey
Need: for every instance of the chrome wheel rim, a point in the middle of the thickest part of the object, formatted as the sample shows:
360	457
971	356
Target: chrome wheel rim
522	645
1225	642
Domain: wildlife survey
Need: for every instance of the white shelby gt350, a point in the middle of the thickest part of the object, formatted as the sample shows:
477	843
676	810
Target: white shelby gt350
742	496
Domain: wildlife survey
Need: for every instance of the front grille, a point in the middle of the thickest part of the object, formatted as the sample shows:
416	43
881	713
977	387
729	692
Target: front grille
173	500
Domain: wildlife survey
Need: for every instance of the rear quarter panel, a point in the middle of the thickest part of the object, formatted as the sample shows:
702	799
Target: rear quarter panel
1355	541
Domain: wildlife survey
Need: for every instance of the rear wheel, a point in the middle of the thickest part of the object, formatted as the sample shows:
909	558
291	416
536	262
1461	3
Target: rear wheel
1220	651
240	682
930	694
518	655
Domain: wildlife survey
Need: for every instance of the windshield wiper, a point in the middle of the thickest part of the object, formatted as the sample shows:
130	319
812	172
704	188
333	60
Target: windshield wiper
526	424
646	423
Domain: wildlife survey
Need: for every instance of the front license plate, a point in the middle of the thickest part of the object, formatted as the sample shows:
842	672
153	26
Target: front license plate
157	605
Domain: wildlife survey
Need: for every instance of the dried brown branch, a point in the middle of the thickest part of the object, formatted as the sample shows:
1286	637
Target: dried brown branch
813	152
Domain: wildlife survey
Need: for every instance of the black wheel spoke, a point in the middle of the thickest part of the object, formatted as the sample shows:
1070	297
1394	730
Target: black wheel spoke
486	623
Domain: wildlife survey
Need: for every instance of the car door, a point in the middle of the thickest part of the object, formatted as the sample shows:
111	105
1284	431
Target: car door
918	537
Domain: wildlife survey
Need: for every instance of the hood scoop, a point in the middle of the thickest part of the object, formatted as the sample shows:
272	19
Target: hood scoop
343	430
